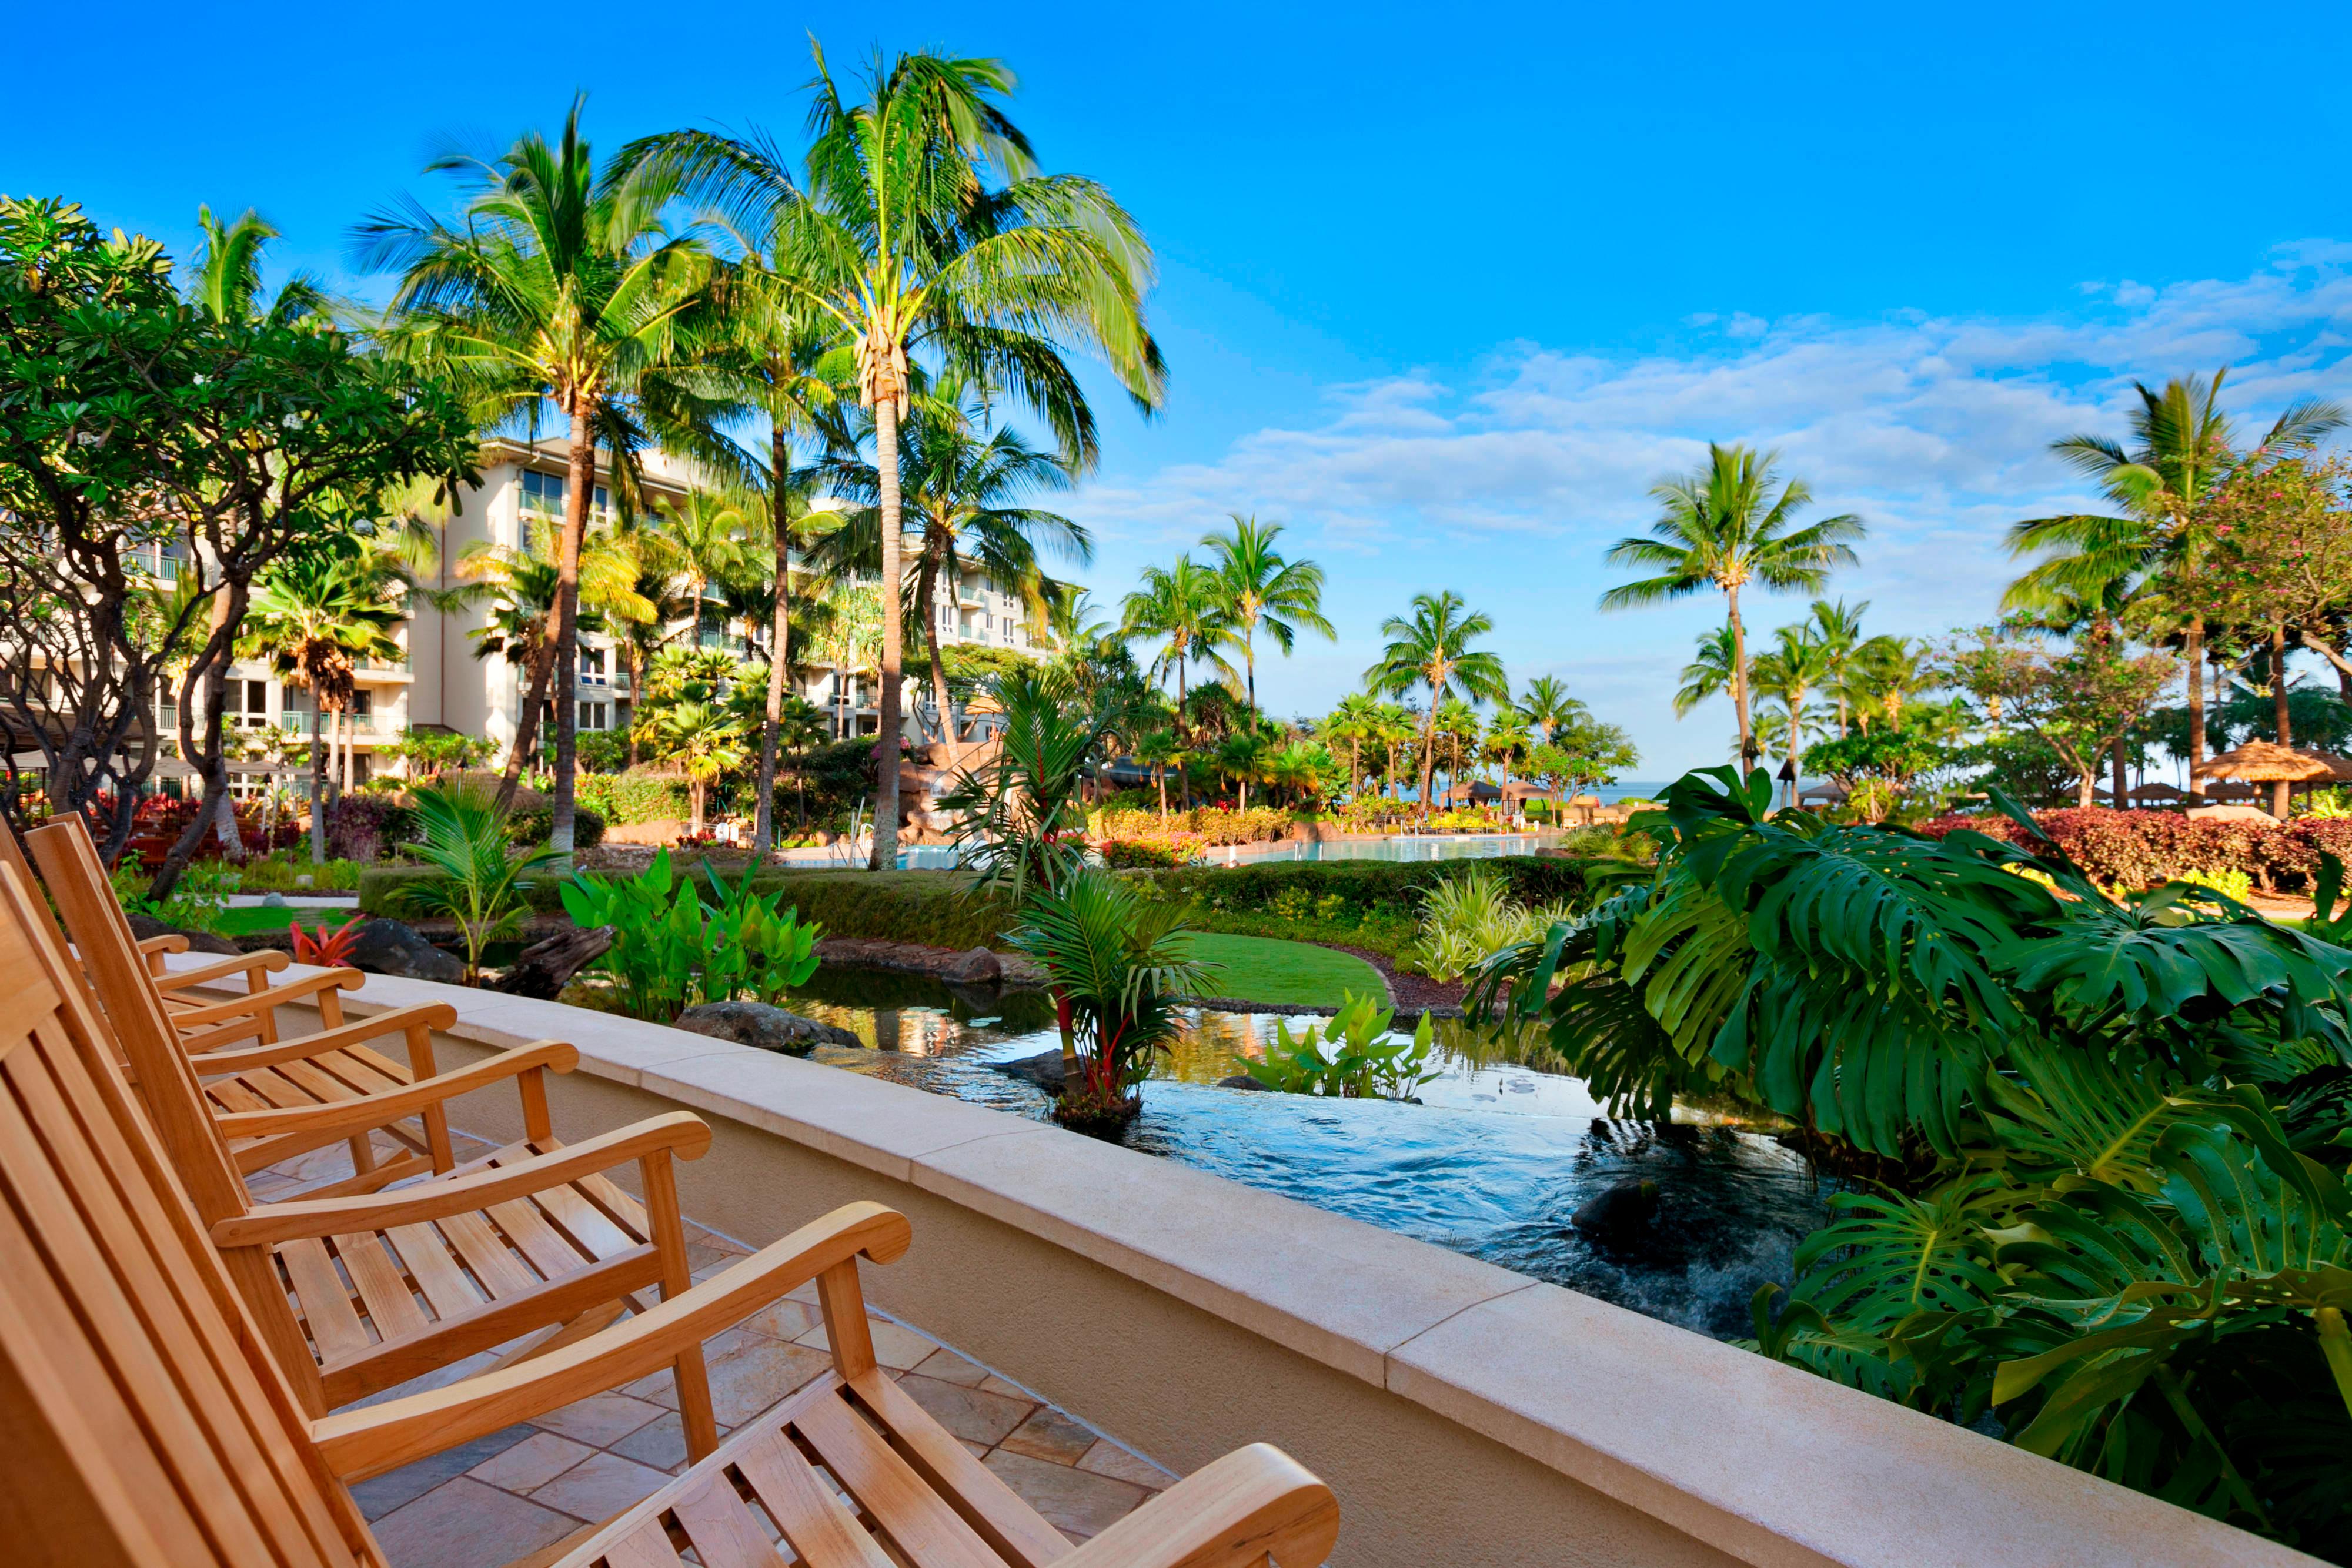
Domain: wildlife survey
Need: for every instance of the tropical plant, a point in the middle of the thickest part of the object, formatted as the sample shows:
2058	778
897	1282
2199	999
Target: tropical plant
1721	529
704	740
1256	586
1710	675
328	949
481	882
1431	647
1837	629
1545	707
1798	665
1018	820
706	534
673	949
1355	720
925	230
560	287
1178	606
1119	965
1465	918
1355	1056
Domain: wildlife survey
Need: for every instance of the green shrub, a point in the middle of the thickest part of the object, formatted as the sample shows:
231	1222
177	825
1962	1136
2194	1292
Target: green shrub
1464	918
276	872
1392	888
637	795
672	950
380	890
1291	903
934	907
530	829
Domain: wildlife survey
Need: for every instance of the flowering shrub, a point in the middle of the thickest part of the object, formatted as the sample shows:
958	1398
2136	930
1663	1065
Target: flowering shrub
1140	838
1134	855
2144	849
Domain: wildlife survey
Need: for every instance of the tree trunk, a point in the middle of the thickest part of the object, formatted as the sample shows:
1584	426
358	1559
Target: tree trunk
2086	780
763	823
2119	786
2280	789
580	489
1739	679
1429	751
542	662
318	781
2193	647
885	856
694	804
926	592
1183	739
1249	660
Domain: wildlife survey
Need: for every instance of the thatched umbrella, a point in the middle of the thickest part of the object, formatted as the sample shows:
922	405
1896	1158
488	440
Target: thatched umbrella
2265	762
2157	792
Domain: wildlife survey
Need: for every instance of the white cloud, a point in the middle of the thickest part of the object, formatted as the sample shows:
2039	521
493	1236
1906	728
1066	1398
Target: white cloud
1507	482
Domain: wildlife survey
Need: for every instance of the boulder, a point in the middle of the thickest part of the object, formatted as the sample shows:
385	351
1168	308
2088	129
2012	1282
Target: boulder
142	927
1044	1070
543	969
977	966
393	948
1617	1213
761	1026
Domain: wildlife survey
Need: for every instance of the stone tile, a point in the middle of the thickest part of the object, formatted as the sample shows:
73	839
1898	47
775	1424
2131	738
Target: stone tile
534	1462
786	1319
464	1524
948	1367
598	1420
398	1488
600	1486
745	1380
978	1450
1107	1459
1075	1501
996	1384
970	1413
661	1444
1050	1435
895	1344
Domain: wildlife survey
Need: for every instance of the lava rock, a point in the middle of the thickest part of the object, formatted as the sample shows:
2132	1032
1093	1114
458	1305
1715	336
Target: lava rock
1044	1070
977	967
142	927
1616	1213
393	947
543	969
1244	1080
762	1027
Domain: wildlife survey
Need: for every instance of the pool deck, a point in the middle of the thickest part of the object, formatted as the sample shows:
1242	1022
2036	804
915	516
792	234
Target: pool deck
516	1492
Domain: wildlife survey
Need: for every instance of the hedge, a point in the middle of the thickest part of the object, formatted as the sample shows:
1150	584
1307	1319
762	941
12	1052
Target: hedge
631	797
1384	886
2143	849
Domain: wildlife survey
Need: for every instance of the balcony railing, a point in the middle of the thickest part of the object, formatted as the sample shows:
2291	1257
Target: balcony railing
362	726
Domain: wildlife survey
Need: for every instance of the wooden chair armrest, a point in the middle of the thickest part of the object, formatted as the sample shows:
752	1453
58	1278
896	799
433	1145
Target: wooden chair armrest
243	963
262	1001
166	943
379	1026
367	1442
682	1132
1253	1504
397	1104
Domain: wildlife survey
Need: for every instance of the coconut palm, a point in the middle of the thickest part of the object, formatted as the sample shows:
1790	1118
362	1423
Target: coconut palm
1160	751
1354	718
1837	627
1708	674
1396	730
1722	528
523	588
960	482
1546	707
1431	647
851	636
1243	758
1509	736
1797	666
2182	448
223	279
704	739
1178	607
314	617
1458	730
708	537
926	233
1256	586
557	288
1888	671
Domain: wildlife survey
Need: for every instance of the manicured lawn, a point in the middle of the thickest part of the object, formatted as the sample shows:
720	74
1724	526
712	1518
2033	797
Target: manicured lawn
246	919
1262	969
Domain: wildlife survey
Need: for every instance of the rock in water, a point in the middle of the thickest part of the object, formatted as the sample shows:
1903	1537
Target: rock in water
1044	1070
142	927
977	967
758	1024
1617	1213
393	948
543	969
1244	1080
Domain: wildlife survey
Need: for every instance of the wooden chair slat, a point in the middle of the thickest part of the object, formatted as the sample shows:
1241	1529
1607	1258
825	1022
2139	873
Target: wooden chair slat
1016	1531
649	1547
235	1094
586	1225
325	1300
727	1534
383	1289
426	1255
494	1264
546	1248
923	1526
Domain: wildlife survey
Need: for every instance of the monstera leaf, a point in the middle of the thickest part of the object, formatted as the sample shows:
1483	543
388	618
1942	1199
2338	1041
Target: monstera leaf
2096	1112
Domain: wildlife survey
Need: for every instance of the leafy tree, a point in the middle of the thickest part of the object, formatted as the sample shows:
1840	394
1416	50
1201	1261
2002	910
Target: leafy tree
558	287
1878	768
2079	700
926	230
1722	528
1592	752
1257	586
1431	647
157	457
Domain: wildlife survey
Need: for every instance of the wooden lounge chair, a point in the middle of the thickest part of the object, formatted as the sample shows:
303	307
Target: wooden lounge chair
336	1066
528	1246
146	1427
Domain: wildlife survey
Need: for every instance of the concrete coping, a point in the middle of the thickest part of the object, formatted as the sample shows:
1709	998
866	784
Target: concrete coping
1765	1461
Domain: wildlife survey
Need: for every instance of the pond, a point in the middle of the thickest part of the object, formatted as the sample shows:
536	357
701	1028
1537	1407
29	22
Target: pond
1493	1163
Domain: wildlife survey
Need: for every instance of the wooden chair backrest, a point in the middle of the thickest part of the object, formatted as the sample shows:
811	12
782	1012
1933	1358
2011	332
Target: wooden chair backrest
134	1008
145	1425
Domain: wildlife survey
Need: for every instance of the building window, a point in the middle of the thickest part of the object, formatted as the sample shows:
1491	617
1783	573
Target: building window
595	716
592	664
541	492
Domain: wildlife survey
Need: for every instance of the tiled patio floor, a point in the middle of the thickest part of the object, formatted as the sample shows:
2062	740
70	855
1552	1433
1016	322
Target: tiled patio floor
517	1492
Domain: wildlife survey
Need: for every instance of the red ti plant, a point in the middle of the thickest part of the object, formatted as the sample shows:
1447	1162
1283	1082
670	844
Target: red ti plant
328	949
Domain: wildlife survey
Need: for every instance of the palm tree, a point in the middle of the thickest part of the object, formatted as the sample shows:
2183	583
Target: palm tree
705	535
852	637
1709	675
1886	672
1396	728
613	588
1798	666
962	480
907	246
313	618
1837	627
1160	751
557	288
225	278
1242	758
1354	718
706	741
2181	449
1431	647
1178	607
1723	528
1547	708
1505	742
1256	585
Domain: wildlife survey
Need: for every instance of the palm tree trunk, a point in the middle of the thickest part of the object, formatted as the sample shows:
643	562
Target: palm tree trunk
317	783
2280	789
926	593
1181	739
763	821
580	489
1249	658
1739	678
542	664
885	856
1428	755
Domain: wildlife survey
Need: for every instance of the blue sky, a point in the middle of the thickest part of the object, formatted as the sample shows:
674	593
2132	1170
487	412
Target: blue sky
1446	293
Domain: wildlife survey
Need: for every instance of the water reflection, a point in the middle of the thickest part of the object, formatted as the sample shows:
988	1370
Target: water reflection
1493	1163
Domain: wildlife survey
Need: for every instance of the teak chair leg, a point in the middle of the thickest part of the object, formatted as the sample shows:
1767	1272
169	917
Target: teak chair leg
692	1378
362	1153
